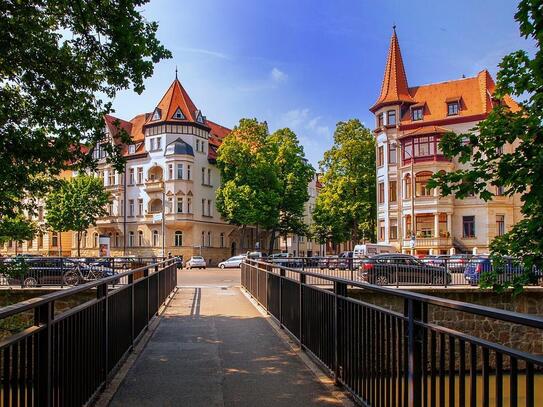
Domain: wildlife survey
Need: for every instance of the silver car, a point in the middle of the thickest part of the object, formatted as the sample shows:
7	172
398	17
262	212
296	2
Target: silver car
196	262
232	262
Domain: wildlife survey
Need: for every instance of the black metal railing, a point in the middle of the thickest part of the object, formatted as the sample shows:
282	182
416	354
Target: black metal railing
398	270
409	356
65	357
40	271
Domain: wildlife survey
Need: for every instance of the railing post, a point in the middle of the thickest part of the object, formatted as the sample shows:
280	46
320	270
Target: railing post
146	276
413	310
301	310
43	315
131	283
101	293
340	289
396	275
157	287
281	319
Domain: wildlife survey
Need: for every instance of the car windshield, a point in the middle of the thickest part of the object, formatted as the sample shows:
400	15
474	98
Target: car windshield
197	258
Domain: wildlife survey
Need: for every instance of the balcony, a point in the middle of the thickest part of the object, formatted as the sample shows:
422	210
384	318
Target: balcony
116	188
429	242
173	217
152	185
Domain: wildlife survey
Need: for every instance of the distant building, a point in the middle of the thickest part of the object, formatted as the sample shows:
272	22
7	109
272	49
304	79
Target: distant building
409	124
170	174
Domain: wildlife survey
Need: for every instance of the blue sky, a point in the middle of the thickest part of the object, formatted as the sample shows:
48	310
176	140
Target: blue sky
309	64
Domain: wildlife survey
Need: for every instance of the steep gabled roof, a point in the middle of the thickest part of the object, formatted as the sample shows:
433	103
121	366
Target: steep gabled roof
176	98
394	88
114	125
217	134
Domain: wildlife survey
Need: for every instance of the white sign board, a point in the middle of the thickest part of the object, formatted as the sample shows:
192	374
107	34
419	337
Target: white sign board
104	244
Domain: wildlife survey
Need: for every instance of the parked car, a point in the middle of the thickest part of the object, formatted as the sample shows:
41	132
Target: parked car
257	255
343	261
232	262
507	269
196	262
456	263
285	260
403	269
34	271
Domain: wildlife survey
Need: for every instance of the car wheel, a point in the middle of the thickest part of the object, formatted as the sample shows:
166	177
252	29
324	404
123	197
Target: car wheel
381	279
222	266
71	278
30	282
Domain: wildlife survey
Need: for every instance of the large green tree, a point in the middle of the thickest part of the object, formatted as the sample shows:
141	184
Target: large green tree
76	205
506	149
346	207
17	229
248	193
264	179
60	61
293	173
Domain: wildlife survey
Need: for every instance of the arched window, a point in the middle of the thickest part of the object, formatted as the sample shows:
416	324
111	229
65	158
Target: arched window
117	240
130	239
95	240
178	239
155	173
221	239
84	239
421	179
155	238
140	238
408	185
208	239
203	239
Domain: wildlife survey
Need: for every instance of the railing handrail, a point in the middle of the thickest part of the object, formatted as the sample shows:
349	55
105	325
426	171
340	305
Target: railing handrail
37	301
490	312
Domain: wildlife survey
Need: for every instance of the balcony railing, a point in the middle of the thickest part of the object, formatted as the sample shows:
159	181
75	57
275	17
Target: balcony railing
422	242
154	185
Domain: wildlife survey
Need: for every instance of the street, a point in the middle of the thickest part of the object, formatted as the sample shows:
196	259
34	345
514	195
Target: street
214	276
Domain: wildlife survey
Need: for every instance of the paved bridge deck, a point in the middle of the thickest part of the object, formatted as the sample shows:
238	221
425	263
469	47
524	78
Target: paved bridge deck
213	348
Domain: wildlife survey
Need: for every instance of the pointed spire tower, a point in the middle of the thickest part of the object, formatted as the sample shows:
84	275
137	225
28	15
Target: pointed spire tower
176	106
394	88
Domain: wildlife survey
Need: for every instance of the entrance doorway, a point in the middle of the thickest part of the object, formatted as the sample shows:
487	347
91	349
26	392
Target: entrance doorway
233	249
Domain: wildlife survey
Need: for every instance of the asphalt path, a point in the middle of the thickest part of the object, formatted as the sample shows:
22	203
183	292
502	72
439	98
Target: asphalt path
214	348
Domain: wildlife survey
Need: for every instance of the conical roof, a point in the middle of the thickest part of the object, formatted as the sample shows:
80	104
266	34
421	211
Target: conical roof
176	105
394	88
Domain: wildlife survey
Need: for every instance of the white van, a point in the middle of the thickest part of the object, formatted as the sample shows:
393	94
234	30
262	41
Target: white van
370	249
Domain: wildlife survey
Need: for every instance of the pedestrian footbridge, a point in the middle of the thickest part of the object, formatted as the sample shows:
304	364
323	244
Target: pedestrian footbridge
284	338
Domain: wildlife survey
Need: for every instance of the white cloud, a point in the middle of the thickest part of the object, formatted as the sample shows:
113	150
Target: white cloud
278	76
203	51
315	136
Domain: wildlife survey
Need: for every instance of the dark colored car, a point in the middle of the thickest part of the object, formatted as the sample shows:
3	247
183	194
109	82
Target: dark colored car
343	261
507	269
402	269
31	271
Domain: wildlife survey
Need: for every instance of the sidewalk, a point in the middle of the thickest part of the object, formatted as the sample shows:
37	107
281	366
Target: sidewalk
213	348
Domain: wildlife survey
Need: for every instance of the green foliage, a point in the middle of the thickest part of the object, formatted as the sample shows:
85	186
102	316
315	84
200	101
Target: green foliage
58	57
345	208
264	178
519	170
76	205
17	229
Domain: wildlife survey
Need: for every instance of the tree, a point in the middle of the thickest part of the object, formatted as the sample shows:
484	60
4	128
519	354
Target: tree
345	208
76	205
293	173
17	229
58	57
518	168
248	192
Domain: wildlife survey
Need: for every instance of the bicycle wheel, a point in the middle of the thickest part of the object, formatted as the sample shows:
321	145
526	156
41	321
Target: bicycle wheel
71	278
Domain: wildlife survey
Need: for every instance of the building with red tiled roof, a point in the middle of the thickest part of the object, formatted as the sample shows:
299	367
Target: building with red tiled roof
410	121
164	202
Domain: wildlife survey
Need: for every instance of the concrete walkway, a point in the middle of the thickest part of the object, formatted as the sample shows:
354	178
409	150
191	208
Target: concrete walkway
213	348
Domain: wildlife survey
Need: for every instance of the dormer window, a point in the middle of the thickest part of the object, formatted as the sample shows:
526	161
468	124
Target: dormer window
453	108
156	114
178	115
131	149
416	113
199	117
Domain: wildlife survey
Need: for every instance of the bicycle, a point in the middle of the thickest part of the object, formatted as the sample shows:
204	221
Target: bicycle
82	274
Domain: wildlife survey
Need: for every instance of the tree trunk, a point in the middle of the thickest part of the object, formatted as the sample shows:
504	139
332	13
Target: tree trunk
78	243
59	244
16	245
272	241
